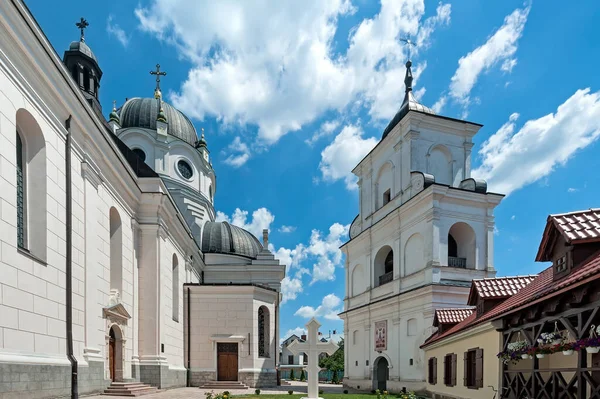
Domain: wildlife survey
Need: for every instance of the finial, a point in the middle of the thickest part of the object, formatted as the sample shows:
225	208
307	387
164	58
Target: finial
158	73
161	116
82	24
408	78
114	117
202	142
265	238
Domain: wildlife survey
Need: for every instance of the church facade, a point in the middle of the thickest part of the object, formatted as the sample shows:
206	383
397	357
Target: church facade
113	266
425	229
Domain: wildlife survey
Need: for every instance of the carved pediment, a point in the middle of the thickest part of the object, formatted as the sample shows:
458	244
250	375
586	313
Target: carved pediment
116	312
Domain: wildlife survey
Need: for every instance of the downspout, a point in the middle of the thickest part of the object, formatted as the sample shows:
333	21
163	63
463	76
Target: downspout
69	258
189	324
278	376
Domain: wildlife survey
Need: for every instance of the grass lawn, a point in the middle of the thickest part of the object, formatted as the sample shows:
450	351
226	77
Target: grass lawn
324	396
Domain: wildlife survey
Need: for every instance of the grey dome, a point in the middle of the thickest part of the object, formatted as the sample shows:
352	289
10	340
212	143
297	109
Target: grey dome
409	104
225	238
83	48
142	112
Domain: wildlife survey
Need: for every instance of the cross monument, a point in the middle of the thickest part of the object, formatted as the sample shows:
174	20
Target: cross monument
313	348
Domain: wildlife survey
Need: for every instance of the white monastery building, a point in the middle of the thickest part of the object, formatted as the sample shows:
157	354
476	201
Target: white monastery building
425	229
112	266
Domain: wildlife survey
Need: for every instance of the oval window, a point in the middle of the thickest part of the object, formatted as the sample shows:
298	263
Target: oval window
140	153
185	169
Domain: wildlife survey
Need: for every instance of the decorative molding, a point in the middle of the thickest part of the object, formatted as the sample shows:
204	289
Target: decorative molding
91	174
227	338
118	313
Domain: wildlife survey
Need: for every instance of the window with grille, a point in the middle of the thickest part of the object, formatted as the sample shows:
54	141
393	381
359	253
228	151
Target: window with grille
263	332
561	264
20	195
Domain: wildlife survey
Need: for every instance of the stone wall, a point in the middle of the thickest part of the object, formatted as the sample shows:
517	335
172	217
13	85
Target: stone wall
258	379
18	381
200	378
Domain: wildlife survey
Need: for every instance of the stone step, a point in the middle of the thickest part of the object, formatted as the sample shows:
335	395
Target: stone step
224	385
129	389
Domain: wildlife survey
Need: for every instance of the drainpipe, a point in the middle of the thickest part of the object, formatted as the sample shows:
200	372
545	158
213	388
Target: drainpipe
277	376
69	257
189	324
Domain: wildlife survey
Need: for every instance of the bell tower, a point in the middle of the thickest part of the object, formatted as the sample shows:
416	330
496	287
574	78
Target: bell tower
83	66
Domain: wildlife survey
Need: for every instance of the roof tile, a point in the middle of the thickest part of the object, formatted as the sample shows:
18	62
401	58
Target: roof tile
580	225
452	315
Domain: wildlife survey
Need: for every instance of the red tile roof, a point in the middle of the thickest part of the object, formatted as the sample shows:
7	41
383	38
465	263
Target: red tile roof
497	288
575	227
451	315
541	288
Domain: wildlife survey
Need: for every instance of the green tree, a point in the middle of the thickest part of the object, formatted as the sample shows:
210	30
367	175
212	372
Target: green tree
302	376
292	376
335	362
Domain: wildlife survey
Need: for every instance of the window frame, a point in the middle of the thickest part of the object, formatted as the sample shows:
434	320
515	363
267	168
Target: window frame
432	371
473	368
21	216
450	369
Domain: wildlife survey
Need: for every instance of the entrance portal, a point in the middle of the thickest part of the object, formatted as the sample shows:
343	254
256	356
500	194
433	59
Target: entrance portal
380	374
115	354
227	361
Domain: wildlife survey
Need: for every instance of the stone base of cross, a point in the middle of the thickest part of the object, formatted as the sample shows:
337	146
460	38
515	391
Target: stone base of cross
313	348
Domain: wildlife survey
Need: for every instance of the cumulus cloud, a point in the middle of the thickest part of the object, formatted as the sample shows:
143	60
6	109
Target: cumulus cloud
512	160
330	308
341	156
261	219
500	47
287	229
326	129
115	30
298	331
275	65
237	153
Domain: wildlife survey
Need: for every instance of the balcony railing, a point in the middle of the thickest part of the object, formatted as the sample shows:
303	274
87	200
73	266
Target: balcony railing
453	261
386	278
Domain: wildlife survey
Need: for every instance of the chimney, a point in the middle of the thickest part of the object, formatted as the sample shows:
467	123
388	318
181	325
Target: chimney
303	337
265	238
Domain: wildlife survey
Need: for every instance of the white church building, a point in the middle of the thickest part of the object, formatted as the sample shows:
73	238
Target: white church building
425	229
113	270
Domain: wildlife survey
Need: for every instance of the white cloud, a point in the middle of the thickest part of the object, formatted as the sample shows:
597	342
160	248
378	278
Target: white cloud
261	219
513	160
287	229
298	331
329	309
115	30
513	217
275	65
501	46
440	104
572	190
341	156
327	251
326	129
238	151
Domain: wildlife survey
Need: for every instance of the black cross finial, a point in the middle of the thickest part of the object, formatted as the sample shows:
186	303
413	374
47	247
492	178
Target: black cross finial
158	74
82	24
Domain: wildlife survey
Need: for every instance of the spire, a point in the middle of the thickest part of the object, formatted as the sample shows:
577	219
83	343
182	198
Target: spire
202	142
114	117
82	24
408	78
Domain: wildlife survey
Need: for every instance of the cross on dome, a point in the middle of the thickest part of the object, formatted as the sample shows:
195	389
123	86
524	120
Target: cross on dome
82	24
158	73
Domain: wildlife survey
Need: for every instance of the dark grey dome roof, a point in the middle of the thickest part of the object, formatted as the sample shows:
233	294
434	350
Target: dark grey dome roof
225	238
142	112
84	48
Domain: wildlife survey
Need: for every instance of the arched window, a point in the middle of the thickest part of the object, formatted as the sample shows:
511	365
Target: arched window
384	266
31	185
175	291
116	251
462	251
263	332
86	79
355	337
411	327
210	194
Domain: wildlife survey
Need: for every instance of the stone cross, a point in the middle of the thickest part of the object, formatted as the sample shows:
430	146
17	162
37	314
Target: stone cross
313	348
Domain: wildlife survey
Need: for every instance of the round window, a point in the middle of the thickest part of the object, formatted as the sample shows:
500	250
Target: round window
140	153
185	169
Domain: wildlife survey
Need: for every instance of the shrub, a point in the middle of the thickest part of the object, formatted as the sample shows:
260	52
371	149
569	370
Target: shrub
346	391
372	392
320	392
290	392
302	376
334	378
257	392
292	376
226	393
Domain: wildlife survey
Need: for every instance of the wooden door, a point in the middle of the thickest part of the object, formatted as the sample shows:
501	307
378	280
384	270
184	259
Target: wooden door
111	357
227	362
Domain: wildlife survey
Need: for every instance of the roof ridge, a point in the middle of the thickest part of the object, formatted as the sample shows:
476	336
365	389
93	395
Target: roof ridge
574	212
496	278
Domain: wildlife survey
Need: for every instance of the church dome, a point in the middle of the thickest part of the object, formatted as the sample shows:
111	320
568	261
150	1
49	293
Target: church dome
82	47
142	112
225	238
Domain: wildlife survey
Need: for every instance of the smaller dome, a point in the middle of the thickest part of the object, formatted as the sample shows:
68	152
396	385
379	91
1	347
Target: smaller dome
82	47
225	238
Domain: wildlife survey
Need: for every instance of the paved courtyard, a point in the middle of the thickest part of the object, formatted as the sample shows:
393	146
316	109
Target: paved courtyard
197	393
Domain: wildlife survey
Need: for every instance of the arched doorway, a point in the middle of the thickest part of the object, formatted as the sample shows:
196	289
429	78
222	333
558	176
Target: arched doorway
380	373
115	354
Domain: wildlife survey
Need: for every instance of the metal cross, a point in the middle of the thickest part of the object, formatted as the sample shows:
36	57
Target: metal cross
82	24
409	43
158	74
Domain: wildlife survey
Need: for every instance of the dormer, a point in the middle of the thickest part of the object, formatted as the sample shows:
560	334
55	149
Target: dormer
487	293
445	319
569	239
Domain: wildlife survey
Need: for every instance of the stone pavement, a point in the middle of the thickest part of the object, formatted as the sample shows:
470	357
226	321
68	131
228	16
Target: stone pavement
197	393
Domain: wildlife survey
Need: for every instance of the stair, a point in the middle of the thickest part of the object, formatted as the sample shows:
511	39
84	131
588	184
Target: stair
285	383
224	385
129	389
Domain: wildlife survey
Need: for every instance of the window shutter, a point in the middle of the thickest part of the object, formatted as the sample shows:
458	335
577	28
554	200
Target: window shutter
466	369
434	370
479	368
453	370
446	382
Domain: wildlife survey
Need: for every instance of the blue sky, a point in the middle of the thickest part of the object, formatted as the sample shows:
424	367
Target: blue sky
293	94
